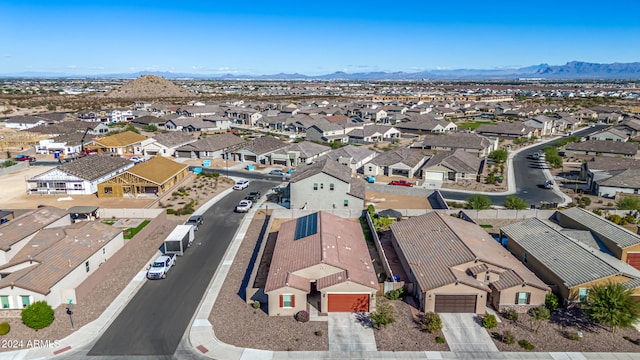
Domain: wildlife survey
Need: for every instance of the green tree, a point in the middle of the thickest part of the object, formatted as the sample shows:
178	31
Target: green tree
371	210
629	203
551	302
613	305
499	155
384	314
515	203
38	315
538	315
478	202
335	145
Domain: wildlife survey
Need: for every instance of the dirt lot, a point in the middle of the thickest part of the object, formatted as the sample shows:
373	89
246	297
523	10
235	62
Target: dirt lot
383	201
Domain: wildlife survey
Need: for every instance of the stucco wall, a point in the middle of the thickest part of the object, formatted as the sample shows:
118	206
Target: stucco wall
322	199
507	298
274	302
455	289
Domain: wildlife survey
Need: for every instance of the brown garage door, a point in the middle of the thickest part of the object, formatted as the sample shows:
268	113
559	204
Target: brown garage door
348	302
634	260
455	303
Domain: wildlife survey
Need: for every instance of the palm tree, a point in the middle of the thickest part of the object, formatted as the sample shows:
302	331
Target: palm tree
613	305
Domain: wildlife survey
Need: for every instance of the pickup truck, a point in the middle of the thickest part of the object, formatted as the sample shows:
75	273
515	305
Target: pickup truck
160	267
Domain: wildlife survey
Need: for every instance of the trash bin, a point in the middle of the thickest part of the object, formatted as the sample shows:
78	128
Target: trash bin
56	154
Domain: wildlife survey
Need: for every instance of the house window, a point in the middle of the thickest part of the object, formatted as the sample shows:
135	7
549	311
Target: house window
462	175
370	168
526	257
287	300
104	250
487	277
164	151
331	187
523	298
346	203
86	266
315	186
4	300
26	300
77	186
108	190
582	295
321	186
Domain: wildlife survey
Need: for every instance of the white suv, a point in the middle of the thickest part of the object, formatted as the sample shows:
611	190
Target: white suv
241	184
244	206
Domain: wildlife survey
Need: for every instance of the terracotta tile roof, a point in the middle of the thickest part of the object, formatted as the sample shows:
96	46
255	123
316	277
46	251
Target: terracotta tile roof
158	169
27	224
338	243
120	139
58	252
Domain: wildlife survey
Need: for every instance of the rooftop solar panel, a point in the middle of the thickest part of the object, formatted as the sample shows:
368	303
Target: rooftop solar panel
306	226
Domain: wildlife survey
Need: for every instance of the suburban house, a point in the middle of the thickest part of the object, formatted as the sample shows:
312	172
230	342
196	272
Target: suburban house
544	124
469	142
209	147
630	127
191	124
126	143
243	116
122	115
256	150
165	144
398	162
619	242
55	261
65	144
327	132
566	122
352	156
426	124
372	134
321	259
78	177
151	178
516	130
19	231
601	168
325	185
625	181
602	147
454	266
22	122
570	267
610	118
149	120
610	134
293	155
451	166
586	115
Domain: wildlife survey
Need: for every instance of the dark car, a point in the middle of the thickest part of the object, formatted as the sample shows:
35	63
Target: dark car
195	220
401	183
253	196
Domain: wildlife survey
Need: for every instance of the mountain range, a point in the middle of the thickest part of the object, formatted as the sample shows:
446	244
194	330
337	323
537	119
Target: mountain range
571	70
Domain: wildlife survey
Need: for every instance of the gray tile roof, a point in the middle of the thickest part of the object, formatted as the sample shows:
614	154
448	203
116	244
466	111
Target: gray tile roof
629	178
504	128
322	165
406	156
458	160
572	263
457	140
27	224
306	148
148	120
607	163
213	143
357	188
603	228
93	167
357	153
174	138
604	146
264	145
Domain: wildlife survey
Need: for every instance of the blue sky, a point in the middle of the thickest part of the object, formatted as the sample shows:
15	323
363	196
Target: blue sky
268	37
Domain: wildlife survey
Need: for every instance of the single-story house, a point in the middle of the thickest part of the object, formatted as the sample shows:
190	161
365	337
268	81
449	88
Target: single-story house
256	150
126	143
321	259
78	177
210	147
373	134
165	144
426	124
151	178
293	155
602	147
327	132
352	156
505	129
191	124
469	142
568	266
149	120
22	122
398	162
454	266
452	166
610	134
544	124
601	168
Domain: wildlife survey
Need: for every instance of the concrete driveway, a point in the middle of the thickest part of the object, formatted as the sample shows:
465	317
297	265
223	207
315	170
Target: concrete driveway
348	333
464	334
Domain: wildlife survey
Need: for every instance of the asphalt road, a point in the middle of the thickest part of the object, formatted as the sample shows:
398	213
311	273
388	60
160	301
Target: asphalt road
155	320
529	177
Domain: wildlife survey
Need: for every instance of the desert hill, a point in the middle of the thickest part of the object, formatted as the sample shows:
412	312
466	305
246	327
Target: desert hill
149	87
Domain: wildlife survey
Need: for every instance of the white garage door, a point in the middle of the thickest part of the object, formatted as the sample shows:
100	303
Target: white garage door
433	175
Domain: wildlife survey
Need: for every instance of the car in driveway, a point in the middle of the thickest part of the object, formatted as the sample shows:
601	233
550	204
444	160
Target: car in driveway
244	206
241	184
401	183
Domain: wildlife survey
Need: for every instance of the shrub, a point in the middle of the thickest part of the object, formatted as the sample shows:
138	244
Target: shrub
511	314
508	338
526	345
551	302
597	212
439	340
397	294
431	322
371	210
38	315
489	321
256	304
4	328
170	211
302	316
383	316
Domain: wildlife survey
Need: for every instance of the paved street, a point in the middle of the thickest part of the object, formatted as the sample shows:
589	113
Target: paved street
155	320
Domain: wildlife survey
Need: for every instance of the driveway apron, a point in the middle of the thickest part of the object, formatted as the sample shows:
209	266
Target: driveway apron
465	334
350	332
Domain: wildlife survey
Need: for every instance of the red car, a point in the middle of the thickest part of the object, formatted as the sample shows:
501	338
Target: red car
401	183
22	157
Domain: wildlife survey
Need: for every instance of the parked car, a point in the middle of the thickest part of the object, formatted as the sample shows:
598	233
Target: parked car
276	172
195	221
401	183
548	184
253	196
23	157
136	159
241	184
244	206
160	267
